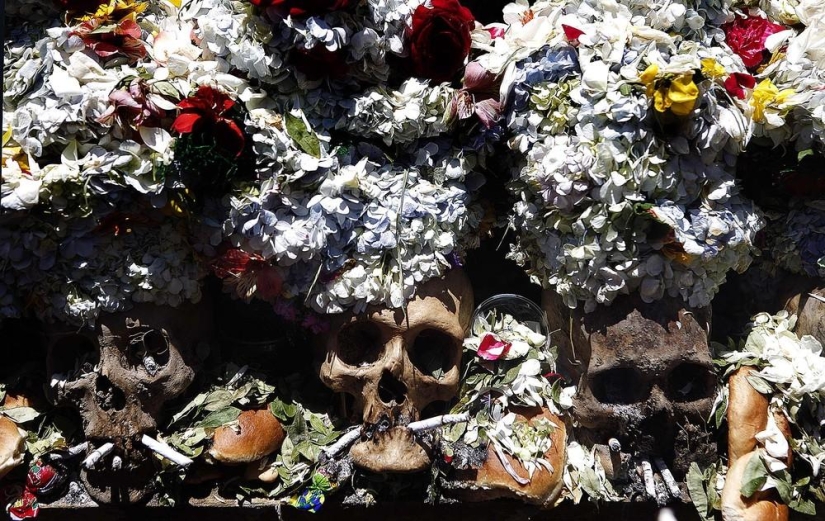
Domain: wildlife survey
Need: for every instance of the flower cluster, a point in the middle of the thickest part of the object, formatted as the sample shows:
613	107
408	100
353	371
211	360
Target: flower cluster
274	139
625	122
508	364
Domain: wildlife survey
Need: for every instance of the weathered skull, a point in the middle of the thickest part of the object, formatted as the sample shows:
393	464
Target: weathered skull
645	375
118	376
397	369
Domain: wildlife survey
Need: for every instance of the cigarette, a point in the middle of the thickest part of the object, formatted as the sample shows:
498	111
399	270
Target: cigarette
667	476
438	421
345	441
117	462
166	451
98	453
647	475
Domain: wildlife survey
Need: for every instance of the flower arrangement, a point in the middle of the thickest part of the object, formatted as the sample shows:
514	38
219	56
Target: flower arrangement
274	138
624	123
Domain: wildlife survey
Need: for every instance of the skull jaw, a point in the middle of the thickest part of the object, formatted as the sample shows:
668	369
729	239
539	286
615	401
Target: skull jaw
132	484
394	451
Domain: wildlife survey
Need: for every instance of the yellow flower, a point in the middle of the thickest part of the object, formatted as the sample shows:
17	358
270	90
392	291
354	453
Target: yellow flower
712	69
766	93
117	10
648	77
677	94
682	94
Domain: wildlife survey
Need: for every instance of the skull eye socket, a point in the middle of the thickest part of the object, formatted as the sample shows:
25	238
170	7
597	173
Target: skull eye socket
359	343
689	381
150	348
432	352
73	355
619	386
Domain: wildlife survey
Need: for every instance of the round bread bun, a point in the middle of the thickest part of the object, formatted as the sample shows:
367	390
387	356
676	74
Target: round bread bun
747	414
12	445
492	480
257	434
762	506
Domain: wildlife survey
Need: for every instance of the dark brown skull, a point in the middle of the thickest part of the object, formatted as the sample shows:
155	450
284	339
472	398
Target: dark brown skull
118	376
398	369
644	372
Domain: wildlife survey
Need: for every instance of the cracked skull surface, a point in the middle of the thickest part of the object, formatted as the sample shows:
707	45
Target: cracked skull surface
118	376
392	367
645	376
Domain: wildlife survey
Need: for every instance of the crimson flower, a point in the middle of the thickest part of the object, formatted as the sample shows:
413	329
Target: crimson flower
248	270
122	38
305	7
204	112
746	37
492	348
439	39
737	82
571	33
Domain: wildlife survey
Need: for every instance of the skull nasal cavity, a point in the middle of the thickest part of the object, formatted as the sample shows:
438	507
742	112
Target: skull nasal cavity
108	396
391	390
620	386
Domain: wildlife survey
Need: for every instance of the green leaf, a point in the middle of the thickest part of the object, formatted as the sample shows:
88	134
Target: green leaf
166	88
804	153
760	384
589	481
218	418
20	414
304	138
805	506
696	488
318	424
320	482
754	477
283	411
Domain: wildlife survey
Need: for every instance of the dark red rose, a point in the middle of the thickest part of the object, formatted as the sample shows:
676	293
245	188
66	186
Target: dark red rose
318	62
122	39
305	7
439	39
737	82
571	33
746	37
204	113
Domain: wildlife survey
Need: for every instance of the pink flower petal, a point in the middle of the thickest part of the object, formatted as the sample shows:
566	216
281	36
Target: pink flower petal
491	348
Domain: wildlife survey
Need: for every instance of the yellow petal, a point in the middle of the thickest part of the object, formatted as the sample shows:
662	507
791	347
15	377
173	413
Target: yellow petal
6	136
712	69
649	74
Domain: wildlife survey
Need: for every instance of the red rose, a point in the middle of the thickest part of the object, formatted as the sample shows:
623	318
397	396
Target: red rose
439	39
746	37
204	113
318	62
305	7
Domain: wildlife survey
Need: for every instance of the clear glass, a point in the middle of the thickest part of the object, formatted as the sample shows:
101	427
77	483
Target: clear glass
522	309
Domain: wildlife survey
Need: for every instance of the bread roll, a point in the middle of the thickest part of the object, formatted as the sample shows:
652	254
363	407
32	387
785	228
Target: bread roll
12	445
762	506
492	480
257	434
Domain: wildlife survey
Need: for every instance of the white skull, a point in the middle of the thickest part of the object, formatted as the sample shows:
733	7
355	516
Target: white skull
119	376
397	369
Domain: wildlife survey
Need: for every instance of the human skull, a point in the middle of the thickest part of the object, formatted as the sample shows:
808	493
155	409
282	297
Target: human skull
645	375
397	369
118	376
